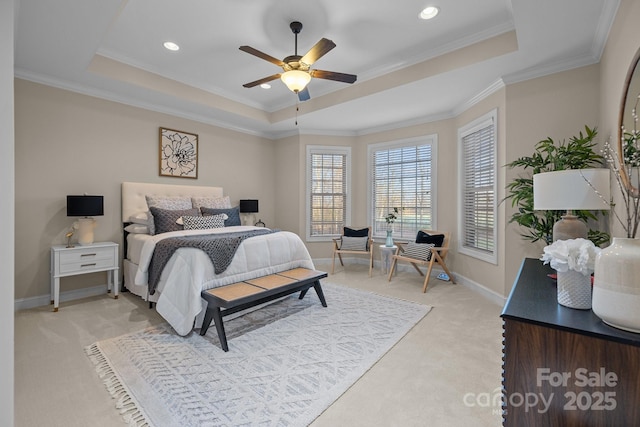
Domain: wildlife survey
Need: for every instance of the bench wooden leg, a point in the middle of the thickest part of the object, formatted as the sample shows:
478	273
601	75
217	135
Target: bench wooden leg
208	315
214	314
319	292
217	318
318	289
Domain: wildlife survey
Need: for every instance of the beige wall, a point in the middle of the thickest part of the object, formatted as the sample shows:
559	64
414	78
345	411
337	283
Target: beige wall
622	45
68	143
556	106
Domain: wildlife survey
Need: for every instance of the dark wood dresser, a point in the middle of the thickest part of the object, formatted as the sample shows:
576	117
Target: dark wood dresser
564	367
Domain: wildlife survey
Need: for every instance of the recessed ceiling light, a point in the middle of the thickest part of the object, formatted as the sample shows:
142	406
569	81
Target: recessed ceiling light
429	12
265	86
171	46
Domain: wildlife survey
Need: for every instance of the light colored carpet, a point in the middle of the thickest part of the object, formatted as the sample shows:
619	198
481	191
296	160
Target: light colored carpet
287	362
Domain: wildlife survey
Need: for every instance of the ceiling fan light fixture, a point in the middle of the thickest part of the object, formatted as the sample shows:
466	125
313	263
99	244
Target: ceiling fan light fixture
429	12
296	80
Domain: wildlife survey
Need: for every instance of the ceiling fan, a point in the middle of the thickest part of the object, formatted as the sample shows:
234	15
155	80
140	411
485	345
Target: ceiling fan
297	73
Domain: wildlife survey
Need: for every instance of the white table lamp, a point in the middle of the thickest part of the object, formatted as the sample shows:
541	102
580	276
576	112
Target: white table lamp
572	189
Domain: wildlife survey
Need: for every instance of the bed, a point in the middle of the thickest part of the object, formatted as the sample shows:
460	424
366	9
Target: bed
189	270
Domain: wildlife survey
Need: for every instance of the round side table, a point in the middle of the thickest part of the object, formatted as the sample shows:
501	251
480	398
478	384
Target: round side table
385	257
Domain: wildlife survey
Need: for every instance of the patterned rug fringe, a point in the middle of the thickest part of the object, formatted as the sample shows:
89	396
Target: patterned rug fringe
127	406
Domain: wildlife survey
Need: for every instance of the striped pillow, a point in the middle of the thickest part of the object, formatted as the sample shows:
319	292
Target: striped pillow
420	251
354	243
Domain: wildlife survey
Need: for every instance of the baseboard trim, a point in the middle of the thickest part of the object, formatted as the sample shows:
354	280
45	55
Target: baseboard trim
491	295
39	301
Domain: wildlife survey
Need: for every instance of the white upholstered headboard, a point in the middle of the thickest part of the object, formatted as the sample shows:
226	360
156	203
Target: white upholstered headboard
133	194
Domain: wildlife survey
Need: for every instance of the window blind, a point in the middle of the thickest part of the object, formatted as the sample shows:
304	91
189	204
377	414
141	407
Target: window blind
402	178
328	193
478	188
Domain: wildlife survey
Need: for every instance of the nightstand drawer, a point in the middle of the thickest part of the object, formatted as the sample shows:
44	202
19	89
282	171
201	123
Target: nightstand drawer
86	265
87	255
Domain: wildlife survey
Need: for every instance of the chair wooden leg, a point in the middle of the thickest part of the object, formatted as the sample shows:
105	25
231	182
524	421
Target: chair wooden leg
446	270
428	276
392	268
370	261
333	264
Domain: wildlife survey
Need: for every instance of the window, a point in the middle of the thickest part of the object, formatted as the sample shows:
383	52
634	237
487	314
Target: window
402	175
477	218
328	191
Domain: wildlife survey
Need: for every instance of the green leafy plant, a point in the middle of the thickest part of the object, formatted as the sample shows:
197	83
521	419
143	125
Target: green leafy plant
549	156
392	216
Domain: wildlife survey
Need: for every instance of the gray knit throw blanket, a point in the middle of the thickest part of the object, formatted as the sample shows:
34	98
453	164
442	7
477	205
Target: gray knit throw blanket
221	249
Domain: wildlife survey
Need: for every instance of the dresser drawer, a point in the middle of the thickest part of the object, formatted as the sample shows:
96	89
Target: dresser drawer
86	265
88	255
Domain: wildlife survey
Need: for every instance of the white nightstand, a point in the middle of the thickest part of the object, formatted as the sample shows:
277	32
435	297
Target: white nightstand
82	259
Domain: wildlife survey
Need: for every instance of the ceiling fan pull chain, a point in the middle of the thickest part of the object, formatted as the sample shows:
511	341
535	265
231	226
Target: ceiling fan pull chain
297	109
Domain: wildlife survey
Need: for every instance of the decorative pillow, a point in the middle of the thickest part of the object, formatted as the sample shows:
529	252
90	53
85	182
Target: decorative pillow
350	232
232	213
203	222
420	251
436	239
354	243
211	202
137	229
171	203
165	219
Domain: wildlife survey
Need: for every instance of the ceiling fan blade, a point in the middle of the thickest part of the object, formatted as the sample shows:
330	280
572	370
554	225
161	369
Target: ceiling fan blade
317	51
332	75
263	80
303	95
262	55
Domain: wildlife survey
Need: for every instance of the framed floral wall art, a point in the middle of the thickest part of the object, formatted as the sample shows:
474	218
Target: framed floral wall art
178	153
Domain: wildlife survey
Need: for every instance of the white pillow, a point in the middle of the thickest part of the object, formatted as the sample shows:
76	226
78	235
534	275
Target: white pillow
203	222
354	243
211	202
137	229
141	217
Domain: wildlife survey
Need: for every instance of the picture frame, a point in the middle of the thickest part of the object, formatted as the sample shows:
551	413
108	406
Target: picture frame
178	154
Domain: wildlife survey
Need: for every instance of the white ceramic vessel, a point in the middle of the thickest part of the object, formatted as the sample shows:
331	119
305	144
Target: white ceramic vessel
616	287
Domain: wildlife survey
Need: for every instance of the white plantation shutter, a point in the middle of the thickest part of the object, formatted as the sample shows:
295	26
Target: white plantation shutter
478	188
402	176
327	191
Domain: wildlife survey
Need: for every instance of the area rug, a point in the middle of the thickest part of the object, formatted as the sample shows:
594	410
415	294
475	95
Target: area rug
287	362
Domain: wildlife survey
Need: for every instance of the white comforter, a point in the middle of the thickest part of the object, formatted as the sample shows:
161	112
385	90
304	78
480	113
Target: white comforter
189	270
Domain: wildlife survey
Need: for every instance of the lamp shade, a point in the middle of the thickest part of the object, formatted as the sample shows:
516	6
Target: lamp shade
85	205
572	189
248	206
296	80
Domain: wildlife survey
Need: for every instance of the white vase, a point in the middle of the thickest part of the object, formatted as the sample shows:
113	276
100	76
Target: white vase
616	286
574	290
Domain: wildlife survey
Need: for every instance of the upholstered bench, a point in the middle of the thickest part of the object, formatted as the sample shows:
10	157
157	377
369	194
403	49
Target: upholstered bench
229	299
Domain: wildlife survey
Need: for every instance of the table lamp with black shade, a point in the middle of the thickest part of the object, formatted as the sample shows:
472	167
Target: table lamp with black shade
569	190
250	206
86	207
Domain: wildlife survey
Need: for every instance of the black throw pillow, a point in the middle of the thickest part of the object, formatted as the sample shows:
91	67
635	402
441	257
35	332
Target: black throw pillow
350	232
436	239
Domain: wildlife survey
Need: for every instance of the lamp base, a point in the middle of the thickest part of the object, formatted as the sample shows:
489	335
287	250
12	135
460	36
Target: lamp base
85	228
569	227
